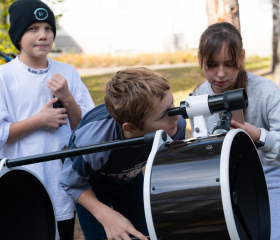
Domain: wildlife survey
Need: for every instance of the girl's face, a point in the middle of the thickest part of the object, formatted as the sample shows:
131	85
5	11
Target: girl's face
222	75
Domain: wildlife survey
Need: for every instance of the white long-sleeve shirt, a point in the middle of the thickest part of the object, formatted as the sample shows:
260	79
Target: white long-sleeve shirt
23	93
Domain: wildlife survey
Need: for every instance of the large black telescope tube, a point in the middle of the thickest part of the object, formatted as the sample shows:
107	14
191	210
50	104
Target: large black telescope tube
204	106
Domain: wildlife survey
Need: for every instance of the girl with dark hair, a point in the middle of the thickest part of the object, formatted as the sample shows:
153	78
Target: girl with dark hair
221	56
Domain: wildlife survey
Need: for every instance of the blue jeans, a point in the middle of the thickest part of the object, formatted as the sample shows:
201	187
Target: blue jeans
127	200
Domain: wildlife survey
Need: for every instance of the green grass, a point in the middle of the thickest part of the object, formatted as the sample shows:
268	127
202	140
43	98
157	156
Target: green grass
95	85
255	63
182	81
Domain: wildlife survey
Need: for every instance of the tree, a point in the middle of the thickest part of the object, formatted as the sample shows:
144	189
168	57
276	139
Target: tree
223	11
5	43
275	42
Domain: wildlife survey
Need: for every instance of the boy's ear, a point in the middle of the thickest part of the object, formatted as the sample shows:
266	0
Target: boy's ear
129	127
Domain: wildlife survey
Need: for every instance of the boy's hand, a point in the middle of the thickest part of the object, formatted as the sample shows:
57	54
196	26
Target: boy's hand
117	227
59	86
253	131
53	117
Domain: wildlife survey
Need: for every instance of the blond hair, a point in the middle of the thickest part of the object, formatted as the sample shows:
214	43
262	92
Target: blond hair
131	93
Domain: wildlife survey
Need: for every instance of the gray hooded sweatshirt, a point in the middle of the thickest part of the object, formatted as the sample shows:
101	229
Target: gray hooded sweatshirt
263	112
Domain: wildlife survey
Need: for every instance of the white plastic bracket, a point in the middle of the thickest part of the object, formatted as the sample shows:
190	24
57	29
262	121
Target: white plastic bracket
158	144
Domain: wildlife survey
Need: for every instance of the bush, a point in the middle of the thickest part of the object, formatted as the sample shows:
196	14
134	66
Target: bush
107	60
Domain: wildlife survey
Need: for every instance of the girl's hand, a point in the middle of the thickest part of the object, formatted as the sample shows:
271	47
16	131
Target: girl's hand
253	131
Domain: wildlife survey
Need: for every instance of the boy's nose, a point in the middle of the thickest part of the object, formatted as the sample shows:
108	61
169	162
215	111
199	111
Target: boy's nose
176	117
42	34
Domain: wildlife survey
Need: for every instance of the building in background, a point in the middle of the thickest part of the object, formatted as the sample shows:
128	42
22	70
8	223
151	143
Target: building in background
144	26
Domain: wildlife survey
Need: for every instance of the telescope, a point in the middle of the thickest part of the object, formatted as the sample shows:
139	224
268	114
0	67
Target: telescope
211	186
208	187
198	107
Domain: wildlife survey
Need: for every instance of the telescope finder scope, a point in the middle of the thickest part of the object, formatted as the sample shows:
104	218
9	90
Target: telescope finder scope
205	105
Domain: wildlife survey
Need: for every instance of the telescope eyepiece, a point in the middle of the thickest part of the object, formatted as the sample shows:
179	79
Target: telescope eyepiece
178	110
173	111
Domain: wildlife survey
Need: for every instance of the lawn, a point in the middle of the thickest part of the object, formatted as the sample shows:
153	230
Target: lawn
182	82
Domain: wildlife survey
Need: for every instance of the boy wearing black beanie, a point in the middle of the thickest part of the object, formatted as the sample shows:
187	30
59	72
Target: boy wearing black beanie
30	124
23	13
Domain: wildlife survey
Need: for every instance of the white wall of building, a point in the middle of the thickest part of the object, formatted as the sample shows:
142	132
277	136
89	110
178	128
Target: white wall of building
118	26
256	26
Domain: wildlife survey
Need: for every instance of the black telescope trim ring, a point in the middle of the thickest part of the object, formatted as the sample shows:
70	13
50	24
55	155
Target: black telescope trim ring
226	101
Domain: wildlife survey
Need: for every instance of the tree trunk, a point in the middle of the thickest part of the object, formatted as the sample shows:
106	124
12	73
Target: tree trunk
223	11
275	42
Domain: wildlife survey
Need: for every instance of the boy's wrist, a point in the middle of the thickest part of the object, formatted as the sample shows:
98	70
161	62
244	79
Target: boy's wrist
67	101
102	212
38	121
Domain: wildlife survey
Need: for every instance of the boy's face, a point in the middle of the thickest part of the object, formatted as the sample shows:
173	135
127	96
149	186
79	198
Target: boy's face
37	41
158	118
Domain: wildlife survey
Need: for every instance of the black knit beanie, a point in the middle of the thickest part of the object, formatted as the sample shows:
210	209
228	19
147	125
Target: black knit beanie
23	13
